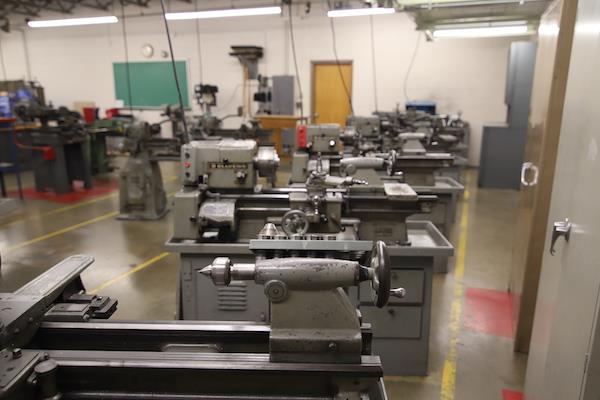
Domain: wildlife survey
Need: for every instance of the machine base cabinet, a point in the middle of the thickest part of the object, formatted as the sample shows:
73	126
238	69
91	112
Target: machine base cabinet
400	330
69	163
201	300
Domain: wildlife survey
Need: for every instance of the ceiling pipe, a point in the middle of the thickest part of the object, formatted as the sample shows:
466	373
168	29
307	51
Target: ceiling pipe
431	4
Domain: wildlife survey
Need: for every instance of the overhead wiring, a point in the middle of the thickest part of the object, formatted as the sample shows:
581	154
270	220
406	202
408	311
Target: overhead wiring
337	61
374	63
26	53
127	66
225	105
293	42
181	107
199	47
2	61
410	66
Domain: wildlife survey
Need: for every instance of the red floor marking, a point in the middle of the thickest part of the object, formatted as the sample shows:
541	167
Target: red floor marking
99	187
511	395
488	311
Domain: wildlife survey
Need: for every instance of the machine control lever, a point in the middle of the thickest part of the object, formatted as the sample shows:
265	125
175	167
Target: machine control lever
560	228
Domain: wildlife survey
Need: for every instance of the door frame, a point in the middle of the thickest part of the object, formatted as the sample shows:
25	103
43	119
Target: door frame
315	63
525	276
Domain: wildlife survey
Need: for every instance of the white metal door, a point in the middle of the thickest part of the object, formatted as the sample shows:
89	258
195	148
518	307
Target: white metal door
567	305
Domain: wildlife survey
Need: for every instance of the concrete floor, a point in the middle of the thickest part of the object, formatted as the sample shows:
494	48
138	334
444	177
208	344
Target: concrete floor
41	233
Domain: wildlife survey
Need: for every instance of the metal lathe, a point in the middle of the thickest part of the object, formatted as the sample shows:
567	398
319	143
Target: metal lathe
358	148
407	146
59	147
141	193
222	208
57	341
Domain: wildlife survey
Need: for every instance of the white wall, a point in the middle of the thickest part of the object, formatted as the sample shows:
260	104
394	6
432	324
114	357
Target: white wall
75	64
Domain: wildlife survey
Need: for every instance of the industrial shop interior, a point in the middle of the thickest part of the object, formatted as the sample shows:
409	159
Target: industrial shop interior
299	199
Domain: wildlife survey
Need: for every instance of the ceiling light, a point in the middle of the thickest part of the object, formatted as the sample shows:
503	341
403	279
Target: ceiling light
480	32
52	23
355	12
231	12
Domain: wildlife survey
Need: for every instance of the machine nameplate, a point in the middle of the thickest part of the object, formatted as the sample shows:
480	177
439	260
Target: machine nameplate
314	245
215	165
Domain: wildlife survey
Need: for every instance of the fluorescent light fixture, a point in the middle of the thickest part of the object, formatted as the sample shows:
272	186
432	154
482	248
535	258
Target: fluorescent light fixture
53	23
356	12
482	32
231	12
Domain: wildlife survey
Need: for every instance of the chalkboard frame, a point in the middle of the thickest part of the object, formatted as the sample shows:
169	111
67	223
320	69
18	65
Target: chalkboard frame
152	83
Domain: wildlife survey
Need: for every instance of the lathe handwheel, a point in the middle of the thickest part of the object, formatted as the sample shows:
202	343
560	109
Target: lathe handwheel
349	170
295	222
382	277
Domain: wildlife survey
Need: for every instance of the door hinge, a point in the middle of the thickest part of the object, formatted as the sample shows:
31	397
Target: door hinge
586	362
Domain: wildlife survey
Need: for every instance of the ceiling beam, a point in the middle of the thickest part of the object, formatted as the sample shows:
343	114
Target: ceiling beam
140	3
96	4
32	8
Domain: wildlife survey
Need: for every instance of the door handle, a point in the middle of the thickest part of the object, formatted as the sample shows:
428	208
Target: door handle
560	228
529	166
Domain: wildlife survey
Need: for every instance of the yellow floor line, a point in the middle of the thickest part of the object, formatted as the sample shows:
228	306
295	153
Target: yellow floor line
73	206
132	271
449	372
60	231
65	230
58	210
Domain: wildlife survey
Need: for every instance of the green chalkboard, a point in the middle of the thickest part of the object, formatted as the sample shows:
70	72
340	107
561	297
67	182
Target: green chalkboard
152	83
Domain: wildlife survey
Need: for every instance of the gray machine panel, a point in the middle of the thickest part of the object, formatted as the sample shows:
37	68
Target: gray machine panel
409	356
282	100
222	162
411	280
394	322
202	300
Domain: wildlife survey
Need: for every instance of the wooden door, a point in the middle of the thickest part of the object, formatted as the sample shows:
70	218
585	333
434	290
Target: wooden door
547	100
331	102
564	355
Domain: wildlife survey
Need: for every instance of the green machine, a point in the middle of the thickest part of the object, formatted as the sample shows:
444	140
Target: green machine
99	131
